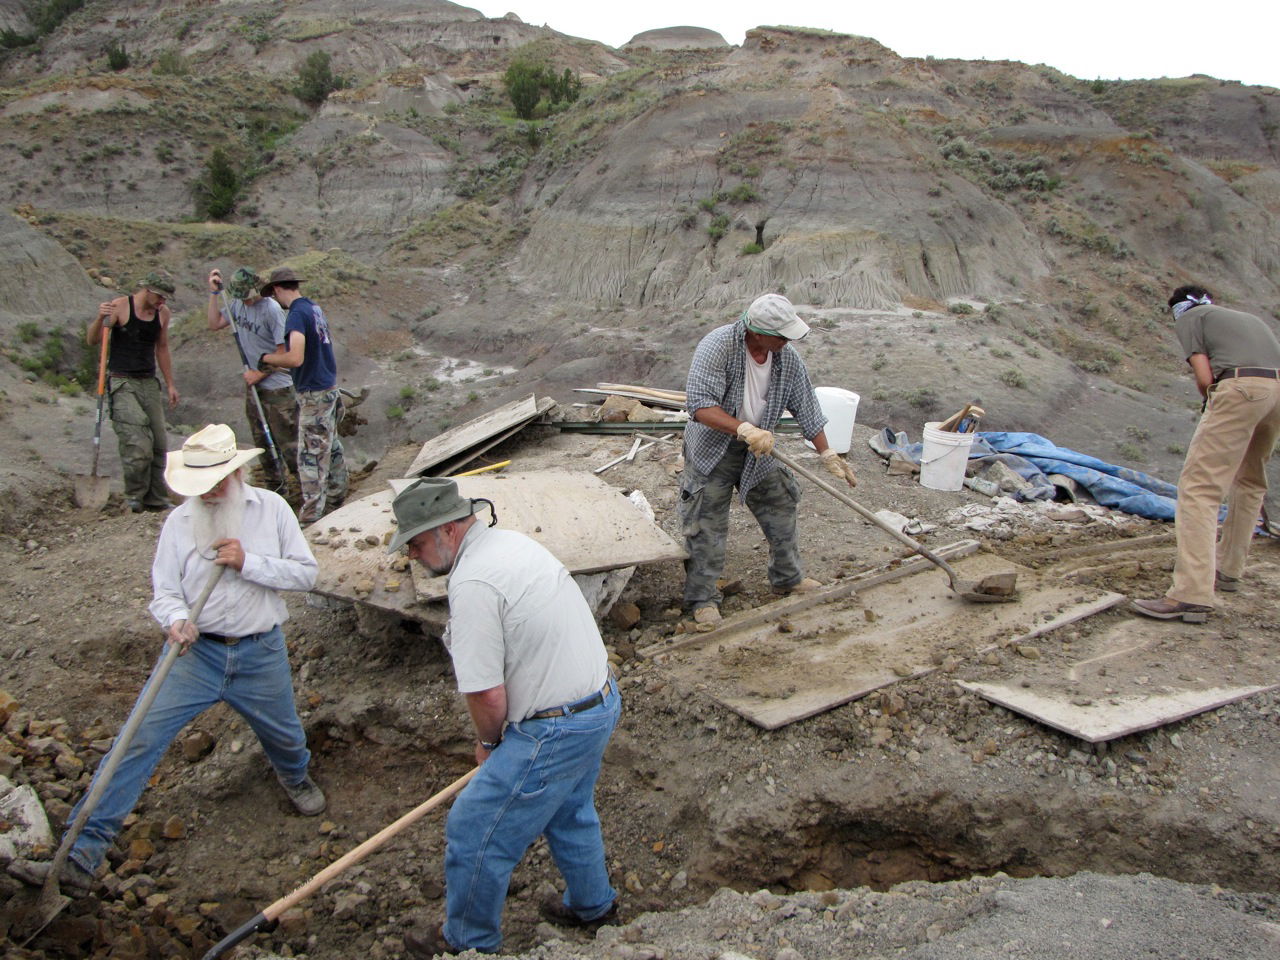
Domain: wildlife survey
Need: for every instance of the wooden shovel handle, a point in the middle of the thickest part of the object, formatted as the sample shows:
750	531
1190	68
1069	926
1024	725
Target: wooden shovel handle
102	358
953	421
273	912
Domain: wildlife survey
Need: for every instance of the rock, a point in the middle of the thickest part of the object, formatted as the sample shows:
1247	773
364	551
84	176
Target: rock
187	923
196	746
68	765
347	906
1031	653
992	659
8	706
28	823
679	881
546	933
632	882
142	849
624	615
293	922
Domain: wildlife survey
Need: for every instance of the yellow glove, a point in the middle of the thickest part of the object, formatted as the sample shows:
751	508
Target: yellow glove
837	467
760	441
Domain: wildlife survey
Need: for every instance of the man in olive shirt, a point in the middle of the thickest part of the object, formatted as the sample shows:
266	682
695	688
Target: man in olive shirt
1235	358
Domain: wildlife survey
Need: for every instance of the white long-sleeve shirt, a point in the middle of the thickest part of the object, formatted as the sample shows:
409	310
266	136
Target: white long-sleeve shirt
276	557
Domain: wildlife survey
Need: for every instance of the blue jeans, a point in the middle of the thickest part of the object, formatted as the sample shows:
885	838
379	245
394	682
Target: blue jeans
540	780
252	676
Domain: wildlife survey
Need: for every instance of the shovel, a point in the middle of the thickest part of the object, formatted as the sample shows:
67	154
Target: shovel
52	900
267	918
91	492
995	588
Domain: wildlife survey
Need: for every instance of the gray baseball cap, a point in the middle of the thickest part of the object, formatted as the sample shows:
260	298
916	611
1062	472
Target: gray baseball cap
425	504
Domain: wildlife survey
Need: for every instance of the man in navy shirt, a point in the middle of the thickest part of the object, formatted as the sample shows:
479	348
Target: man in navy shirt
308	353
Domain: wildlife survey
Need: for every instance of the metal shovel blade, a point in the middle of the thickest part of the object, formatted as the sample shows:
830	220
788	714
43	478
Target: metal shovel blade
51	902
91	492
996	588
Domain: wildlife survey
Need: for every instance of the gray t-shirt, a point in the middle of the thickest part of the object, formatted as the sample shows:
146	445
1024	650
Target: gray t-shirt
516	617
1229	338
261	327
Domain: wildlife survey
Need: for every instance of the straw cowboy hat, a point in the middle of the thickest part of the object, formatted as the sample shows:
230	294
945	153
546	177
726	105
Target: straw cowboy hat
205	458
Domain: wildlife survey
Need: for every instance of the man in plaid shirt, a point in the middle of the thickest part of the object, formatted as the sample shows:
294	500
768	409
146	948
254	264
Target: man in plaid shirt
742	377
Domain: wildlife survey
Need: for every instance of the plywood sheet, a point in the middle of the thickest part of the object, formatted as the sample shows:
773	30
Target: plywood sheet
587	524
465	436
815	659
1134	675
356	569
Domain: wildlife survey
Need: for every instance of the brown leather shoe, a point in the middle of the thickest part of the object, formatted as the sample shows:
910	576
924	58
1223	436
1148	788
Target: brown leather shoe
553	909
1224	584
428	942
807	585
1166	609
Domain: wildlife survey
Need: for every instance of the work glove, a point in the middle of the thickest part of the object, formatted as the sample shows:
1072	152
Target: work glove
759	441
837	467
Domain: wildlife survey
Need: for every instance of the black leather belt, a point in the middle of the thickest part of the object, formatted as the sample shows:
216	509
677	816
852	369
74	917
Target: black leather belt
586	703
219	638
1265	372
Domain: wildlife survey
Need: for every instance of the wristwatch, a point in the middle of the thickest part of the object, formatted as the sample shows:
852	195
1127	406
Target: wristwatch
491	746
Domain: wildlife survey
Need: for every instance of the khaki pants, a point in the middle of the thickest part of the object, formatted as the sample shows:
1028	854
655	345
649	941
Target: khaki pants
1227	458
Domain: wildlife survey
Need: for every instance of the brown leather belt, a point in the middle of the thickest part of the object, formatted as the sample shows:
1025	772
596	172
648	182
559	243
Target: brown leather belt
1265	372
586	703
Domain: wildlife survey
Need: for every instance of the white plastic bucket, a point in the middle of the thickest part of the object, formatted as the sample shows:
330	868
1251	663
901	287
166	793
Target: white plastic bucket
944	458
840	407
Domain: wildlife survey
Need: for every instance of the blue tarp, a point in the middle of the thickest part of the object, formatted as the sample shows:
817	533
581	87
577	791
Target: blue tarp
1033	457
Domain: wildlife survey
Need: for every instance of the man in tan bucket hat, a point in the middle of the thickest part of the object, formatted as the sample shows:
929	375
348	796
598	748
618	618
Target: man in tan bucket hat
236	653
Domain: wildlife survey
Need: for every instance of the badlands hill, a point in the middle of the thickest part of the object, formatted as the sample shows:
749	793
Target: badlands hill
961	230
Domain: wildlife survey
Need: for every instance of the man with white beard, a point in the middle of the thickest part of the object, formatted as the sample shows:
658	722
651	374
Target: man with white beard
237	651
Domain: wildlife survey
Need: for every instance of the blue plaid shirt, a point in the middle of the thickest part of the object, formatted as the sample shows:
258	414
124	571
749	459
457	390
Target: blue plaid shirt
716	379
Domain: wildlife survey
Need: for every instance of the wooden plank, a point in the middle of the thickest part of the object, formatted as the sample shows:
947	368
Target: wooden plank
771	613
1130	675
1108	721
644	398
463	437
447	468
348	561
586	523
1072	615
1113	546
776	673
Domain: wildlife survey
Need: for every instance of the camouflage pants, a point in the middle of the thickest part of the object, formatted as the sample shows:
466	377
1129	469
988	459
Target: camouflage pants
322	470
281	410
704	520
137	415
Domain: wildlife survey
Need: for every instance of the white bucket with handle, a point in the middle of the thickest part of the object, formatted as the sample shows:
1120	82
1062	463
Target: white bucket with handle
944	457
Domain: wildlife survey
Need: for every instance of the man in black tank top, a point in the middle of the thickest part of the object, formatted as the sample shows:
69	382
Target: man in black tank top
139	330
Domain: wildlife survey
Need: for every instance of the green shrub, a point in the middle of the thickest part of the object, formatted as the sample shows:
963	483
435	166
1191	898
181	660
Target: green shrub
960	309
316	79
718	227
395	412
528	82
171	63
217	191
1014	379
923	398
407	392
751	248
28	331
117	57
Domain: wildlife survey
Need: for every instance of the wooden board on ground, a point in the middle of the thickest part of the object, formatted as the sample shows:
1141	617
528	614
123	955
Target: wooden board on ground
350	546
586	523
1135	675
457	446
818	658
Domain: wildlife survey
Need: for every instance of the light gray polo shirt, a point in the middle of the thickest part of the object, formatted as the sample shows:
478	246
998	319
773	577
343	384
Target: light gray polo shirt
516	617
1229	338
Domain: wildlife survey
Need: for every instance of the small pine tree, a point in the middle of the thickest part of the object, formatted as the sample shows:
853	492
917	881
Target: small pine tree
523	83
117	57
316	79
218	190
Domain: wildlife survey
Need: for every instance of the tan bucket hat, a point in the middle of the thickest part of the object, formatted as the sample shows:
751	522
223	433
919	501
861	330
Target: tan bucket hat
206	457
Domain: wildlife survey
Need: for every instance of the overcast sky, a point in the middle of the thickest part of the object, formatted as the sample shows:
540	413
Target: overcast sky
1120	39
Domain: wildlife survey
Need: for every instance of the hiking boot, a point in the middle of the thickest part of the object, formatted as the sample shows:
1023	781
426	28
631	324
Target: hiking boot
307	798
135	506
807	585
72	878
428	943
708	614
1166	609
553	908
1224	584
